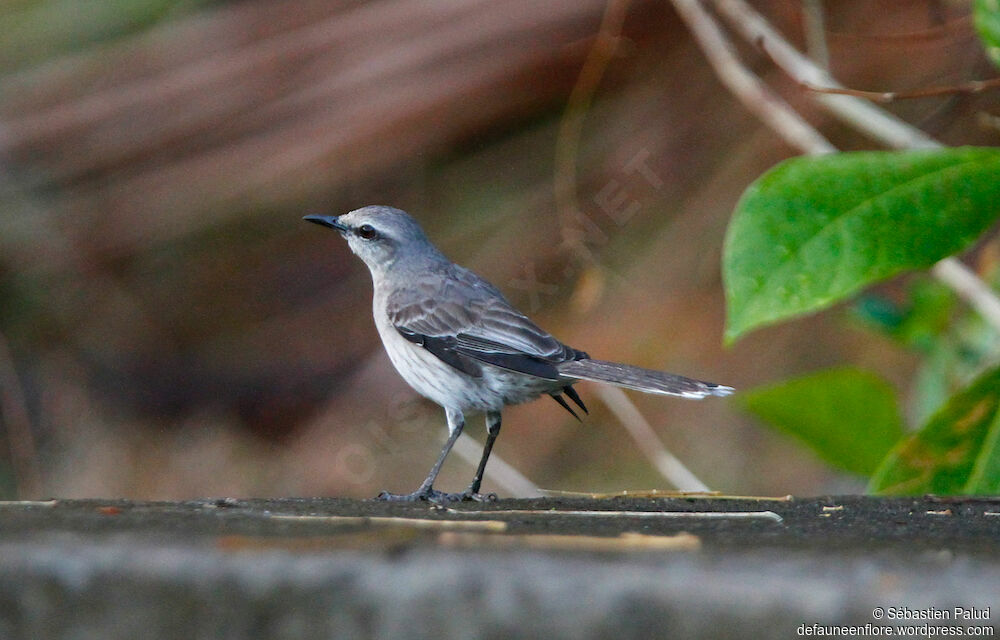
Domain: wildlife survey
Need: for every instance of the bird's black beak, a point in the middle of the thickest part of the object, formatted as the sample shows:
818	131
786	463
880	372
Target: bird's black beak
328	221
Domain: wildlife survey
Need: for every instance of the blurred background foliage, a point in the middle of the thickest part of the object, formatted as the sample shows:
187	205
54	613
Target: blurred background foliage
169	328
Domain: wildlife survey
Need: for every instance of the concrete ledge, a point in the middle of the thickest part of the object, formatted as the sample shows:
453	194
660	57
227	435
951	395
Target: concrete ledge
337	568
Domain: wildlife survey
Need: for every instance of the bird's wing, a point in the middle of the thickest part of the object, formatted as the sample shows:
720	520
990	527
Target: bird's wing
464	320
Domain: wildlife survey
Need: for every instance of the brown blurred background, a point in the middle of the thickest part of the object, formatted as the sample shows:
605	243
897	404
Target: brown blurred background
169	328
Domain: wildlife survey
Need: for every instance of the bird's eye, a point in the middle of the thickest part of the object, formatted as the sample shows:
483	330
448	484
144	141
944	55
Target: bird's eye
367	232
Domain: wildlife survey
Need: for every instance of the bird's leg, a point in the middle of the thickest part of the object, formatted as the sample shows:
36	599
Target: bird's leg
492	431
426	491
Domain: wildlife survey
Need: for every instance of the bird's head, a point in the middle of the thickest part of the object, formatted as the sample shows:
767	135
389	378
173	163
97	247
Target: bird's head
380	235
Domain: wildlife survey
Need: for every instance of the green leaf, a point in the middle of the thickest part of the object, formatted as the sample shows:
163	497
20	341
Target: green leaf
919	323
954	359
986	15
935	381
985	476
813	231
848	416
928	314
956	452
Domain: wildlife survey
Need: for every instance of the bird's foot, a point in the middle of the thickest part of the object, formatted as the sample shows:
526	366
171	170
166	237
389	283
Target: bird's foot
423	494
429	494
474	496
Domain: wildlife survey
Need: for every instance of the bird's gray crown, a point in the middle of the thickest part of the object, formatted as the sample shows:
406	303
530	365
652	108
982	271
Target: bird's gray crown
382	237
389	221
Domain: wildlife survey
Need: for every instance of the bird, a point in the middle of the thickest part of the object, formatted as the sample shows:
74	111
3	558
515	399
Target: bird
456	340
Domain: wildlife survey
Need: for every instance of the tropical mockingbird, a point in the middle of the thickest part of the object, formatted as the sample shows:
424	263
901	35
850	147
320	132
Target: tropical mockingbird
456	340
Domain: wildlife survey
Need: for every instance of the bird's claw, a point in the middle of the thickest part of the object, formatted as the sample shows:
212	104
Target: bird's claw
422	494
475	496
429	494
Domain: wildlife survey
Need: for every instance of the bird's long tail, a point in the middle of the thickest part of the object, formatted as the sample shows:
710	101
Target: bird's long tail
646	380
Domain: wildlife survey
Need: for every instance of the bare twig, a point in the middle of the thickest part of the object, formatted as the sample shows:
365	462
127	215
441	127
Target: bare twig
752	92
988	121
649	443
571	125
646	515
971	87
628	541
969	287
860	114
20	438
815	32
816	47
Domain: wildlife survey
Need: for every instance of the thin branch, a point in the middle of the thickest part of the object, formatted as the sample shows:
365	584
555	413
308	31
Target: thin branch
970	87
649	443
988	121
815	32
969	287
750	89
859	113
20	438
571	125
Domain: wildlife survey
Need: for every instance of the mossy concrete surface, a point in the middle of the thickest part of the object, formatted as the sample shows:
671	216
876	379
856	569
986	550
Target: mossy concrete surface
552	568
